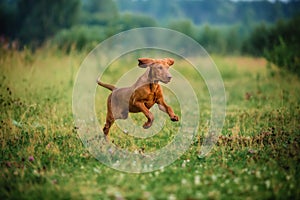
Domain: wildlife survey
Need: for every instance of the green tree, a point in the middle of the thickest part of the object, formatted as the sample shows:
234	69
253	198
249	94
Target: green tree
211	39
233	40
280	44
258	41
40	19
183	26
285	48
128	21
8	18
99	12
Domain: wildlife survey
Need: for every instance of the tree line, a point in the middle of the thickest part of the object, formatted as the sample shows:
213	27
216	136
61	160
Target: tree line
215	12
82	24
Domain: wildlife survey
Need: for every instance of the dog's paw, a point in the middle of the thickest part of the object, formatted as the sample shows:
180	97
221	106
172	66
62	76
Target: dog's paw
175	118
147	125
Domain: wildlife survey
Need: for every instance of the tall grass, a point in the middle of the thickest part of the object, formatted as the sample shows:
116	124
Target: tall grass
42	156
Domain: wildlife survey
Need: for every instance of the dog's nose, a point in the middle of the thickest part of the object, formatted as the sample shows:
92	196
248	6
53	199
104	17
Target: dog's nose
169	77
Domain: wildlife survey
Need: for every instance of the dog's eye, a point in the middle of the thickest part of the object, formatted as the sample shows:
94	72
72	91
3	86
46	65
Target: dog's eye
160	67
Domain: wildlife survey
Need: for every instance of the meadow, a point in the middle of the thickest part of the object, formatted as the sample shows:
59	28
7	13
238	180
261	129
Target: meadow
42	156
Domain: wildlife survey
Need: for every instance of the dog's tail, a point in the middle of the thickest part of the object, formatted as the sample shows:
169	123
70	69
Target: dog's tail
107	86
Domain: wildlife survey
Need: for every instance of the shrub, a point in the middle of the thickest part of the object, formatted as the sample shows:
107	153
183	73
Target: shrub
128	21
258	41
279	44
220	40
80	37
286	56
286	49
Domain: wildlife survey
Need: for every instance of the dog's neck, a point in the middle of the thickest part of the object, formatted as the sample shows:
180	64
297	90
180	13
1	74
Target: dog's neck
145	79
151	77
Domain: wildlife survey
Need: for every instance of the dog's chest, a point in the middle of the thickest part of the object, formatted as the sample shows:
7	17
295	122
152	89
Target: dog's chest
147	94
150	100
151	97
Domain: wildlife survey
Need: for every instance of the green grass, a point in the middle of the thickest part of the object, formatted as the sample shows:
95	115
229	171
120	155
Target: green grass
42	157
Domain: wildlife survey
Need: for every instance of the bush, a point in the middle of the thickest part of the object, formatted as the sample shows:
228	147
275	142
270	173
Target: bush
279	44
183	26
258	41
128	21
80	37
286	51
285	55
220	40
86	37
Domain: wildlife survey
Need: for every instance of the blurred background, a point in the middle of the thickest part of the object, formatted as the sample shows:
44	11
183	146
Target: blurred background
256	46
259	28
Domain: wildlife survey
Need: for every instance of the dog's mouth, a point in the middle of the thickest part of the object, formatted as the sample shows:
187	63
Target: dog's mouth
166	81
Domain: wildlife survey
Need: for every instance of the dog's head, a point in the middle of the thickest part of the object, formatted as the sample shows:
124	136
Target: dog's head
159	68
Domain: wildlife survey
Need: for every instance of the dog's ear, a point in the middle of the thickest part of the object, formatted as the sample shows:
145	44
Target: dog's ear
145	62
170	61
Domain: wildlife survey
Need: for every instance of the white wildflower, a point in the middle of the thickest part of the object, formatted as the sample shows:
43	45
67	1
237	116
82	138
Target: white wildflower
268	183
197	180
172	197
258	174
183	181
213	177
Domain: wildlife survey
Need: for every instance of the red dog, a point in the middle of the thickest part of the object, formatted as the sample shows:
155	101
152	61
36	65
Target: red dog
142	95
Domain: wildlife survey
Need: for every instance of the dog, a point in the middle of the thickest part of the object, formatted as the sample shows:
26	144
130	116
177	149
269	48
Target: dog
142	95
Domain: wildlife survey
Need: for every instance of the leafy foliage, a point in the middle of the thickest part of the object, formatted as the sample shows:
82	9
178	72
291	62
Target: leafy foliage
286	50
183	26
280	44
128	21
33	21
98	12
79	37
214	12
86	37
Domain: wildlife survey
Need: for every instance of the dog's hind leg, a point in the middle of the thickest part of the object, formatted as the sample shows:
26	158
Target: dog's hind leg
108	124
109	119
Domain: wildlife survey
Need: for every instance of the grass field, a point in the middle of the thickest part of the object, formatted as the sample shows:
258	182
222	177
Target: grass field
42	157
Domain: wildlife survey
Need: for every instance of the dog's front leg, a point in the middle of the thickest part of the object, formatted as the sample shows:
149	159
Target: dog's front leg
167	109
147	113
